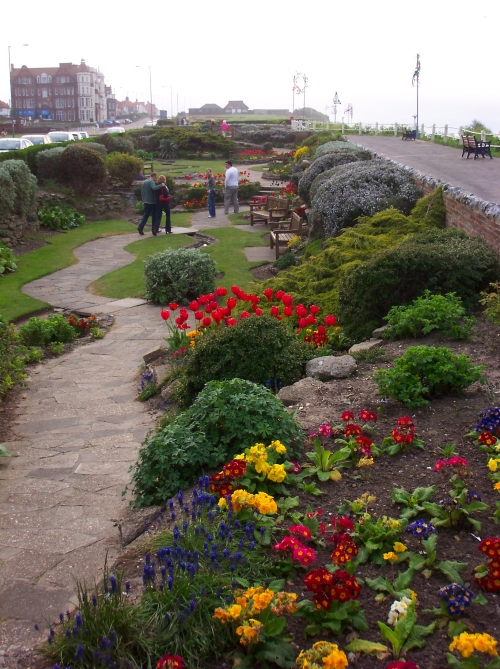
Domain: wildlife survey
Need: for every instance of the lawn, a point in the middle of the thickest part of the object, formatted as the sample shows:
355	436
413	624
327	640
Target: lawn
182	167
228	254
57	255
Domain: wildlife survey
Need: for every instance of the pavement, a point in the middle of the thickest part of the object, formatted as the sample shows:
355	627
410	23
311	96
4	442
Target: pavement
480	177
76	431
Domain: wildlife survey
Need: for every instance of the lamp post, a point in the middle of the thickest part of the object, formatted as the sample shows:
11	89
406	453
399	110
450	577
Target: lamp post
300	88
416	79
10	84
336	101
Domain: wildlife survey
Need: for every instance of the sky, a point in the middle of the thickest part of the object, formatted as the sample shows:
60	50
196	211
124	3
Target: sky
201	52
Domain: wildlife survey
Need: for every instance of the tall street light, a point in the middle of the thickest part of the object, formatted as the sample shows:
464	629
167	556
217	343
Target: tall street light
416	80
336	101
10	87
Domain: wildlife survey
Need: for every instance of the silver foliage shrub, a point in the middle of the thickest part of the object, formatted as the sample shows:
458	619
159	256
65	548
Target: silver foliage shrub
328	147
360	189
7	193
178	275
48	163
338	156
24	186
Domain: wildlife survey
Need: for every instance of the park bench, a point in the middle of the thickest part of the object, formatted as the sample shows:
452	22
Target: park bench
284	235
147	169
477	147
409	134
275	209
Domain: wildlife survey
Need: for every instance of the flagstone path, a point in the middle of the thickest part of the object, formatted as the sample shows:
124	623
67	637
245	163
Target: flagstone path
76	430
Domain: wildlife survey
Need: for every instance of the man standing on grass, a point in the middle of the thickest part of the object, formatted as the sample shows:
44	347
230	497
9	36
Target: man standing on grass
231	188
148	197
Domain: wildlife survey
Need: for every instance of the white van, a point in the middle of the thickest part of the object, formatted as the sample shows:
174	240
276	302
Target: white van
60	136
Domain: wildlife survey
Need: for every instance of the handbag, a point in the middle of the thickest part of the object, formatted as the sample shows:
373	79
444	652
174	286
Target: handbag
165	199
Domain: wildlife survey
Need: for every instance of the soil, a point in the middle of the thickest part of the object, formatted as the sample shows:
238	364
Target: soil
445	421
265	272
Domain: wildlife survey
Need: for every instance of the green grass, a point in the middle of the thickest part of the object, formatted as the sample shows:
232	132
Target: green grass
237	219
182	166
128	281
180	220
259	167
57	255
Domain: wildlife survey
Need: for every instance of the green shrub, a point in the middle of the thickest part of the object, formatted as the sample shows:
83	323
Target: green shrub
97	146
491	303
360	189
7	260
249	190
225	418
429	312
45	331
114	143
11	363
60	217
259	349
24	186
329	147
442	261
124	167
334	158
191	140
287	260
81	168
7	193
177	275
48	163
425	372
321	137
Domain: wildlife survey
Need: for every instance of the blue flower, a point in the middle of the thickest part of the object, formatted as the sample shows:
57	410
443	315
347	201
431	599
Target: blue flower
78	620
79	652
170	582
37	627
421	529
473	496
94	601
61	618
180	497
171	504
127	586
114	583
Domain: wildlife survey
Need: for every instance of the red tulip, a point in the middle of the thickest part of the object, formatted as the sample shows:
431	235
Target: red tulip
244	314
321	330
288	311
221	291
301	311
183	326
173	306
287	300
211	296
254	299
268	294
226	311
235	290
330	321
279	294
208	309
198	315
213	305
314	309
179	321
231	321
194	305
231	302
275	311
303	323
203	299
310	320
258	311
206	322
165	314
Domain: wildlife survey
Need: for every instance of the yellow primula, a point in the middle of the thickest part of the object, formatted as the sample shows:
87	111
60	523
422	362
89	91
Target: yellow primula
467	643
399	547
262	601
323	655
241	456
249	632
234	611
261	466
276	473
493	464
497	486
392	557
337	659
278	447
264	503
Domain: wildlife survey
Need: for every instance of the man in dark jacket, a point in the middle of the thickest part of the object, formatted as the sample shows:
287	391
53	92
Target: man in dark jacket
148	197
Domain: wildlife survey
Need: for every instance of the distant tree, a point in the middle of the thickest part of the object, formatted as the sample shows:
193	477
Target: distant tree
477	126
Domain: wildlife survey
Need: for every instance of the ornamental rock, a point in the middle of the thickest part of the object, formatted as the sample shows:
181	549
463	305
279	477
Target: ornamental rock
331	367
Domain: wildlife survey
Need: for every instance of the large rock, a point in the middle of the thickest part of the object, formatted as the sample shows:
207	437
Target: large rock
331	367
303	392
366	345
136	521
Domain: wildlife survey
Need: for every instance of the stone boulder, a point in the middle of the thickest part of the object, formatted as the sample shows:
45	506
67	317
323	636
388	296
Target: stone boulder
331	367
303	392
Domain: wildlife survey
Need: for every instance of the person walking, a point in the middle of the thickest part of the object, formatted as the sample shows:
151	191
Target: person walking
148	189
163	205
211	192
224	127
231	188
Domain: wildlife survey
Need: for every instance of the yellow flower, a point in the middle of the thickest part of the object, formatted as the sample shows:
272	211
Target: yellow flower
399	547
221	503
264	503
485	643
497	486
391	556
241	456
276	473
262	601
261	466
493	464
467	643
278	447
337	659
234	611
413	595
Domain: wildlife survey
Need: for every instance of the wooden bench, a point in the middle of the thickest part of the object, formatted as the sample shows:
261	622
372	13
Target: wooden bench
275	209
477	147
409	134
284	235
147	169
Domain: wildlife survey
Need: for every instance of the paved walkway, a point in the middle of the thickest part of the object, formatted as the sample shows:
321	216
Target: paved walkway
77	430
480	177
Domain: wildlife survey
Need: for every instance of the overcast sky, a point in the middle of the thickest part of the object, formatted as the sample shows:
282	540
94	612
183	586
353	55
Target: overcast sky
202	51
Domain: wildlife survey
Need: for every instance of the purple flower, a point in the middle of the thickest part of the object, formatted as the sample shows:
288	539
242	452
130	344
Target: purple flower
114	583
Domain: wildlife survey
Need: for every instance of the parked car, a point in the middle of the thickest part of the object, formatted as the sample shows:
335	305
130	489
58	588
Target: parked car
84	135
114	129
106	123
38	139
60	136
127	121
149	124
13	144
77	136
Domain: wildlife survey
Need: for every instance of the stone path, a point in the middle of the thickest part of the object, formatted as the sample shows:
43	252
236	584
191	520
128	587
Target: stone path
480	177
76	431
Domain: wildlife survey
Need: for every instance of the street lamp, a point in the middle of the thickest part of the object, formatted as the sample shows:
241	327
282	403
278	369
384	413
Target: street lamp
416	78
150	94
336	101
300	88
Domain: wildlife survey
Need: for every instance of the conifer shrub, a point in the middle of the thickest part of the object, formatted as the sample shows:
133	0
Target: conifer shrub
441	261
225	418
259	349
82	168
360	189
327	161
48	163
177	275
124	167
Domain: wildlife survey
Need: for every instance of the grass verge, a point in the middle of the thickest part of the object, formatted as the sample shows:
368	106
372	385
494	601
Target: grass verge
57	255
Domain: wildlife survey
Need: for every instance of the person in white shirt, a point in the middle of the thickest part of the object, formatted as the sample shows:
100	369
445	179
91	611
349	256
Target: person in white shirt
231	188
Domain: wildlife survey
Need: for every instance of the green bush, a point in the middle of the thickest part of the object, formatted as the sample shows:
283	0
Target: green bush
321	137
11	363
491	303
117	144
7	260
339	156
82	169
48	163
46	331
97	146
225	418
329	147
60	217
7	193
124	167
360	189
425	372
24	186
249	190
178	275
441	261
287	260
259	349
429	312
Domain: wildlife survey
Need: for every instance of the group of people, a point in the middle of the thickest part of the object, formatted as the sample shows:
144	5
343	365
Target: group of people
156	198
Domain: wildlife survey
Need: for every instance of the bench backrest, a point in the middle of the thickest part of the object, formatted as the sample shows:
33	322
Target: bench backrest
296	224
469	141
275	203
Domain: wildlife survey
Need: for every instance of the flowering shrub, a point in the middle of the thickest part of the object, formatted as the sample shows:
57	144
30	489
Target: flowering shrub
360	189
301	153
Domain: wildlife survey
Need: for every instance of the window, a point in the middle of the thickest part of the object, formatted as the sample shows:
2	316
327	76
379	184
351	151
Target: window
44	78
44	93
59	116
31	103
82	102
38	79
56	91
49	79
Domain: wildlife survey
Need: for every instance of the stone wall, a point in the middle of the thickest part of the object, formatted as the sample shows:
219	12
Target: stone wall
13	231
